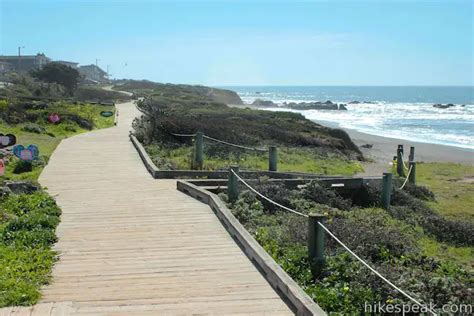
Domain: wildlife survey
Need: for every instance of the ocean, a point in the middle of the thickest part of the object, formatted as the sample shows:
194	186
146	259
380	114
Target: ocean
396	112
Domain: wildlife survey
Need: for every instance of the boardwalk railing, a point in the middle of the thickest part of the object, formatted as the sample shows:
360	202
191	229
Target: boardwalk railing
156	173
199	149
316	228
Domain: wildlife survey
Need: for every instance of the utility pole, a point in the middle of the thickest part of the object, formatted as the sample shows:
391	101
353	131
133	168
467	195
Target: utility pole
19	57
96	72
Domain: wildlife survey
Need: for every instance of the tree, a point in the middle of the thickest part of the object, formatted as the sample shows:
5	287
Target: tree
59	73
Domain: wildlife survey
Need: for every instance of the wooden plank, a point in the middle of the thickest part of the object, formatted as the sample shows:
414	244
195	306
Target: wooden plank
131	244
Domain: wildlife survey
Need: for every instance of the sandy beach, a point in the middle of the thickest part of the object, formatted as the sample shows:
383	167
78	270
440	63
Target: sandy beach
384	148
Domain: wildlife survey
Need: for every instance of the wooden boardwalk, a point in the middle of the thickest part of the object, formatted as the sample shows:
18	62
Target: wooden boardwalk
132	245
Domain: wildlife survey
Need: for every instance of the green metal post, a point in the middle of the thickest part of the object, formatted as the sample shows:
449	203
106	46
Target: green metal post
199	156
412	176
411	157
233	184
272	158
400	170
386	189
316	243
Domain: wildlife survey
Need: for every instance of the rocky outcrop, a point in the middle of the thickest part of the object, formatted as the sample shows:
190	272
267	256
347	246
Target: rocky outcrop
264	103
225	96
328	105
443	106
359	102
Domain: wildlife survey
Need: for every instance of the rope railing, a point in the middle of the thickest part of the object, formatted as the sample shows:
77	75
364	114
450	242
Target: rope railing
403	161
408	177
336	239
373	270
234	145
182	135
221	142
265	198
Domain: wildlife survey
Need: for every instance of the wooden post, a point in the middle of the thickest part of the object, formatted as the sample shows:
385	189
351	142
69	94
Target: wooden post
272	158
316	243
411	157
412	176
386	189
199	156
400	170
233	184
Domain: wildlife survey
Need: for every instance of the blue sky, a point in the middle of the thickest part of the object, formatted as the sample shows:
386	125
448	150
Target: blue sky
252	42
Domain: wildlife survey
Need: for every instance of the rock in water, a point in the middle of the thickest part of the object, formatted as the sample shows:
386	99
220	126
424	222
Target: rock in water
266	103
343	107
443	106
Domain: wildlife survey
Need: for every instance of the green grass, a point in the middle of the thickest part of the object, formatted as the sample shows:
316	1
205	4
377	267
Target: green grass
454	190
453	186
290	160
27	224
48	140
448	253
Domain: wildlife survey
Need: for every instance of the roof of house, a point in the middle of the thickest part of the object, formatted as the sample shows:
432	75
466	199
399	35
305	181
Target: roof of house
22	57
90	67
66	62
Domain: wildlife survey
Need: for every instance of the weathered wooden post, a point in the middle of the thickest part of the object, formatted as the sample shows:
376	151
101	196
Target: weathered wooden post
386	189
400	170
199	156
233	184
412	176
411	157
272	158
316	243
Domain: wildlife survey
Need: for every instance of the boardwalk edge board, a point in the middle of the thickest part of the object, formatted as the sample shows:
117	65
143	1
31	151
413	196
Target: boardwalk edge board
150	166
273	273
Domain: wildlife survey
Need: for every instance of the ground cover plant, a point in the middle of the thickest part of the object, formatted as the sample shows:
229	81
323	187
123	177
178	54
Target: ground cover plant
393	241
27	232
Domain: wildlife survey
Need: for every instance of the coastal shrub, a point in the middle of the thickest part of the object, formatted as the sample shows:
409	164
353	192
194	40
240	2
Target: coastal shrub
415	211
317	192
420	192
373	234
33	128
21	166
277	192
247	207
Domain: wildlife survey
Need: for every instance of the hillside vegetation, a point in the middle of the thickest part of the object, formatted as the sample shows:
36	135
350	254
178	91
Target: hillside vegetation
149	88
304	145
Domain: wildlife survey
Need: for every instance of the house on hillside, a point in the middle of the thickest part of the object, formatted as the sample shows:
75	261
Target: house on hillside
5	67
25	63
93	73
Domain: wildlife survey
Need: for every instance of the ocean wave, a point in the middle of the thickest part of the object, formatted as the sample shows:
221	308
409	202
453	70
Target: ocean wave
413	121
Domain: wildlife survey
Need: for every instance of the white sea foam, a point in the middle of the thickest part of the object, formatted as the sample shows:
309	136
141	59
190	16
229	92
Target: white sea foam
421	122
